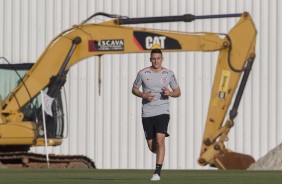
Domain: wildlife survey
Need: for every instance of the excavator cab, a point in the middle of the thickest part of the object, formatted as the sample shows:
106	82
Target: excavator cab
16	142
11	75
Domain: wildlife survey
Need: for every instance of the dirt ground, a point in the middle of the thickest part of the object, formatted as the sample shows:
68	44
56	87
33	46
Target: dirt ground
271	161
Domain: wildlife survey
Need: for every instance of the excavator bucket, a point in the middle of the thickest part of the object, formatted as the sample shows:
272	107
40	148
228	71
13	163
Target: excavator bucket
232	160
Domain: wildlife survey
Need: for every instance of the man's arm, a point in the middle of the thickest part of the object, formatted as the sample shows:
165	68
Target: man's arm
148	96
137	92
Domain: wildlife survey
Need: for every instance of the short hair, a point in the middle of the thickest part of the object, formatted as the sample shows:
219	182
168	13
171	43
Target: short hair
156	51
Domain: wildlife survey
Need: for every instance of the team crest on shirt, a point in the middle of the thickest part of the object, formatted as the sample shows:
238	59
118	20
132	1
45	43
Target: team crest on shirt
165	73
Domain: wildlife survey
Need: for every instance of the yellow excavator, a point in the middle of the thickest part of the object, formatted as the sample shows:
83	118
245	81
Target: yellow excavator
21	116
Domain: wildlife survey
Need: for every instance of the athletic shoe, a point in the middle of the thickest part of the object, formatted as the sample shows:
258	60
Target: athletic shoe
155	177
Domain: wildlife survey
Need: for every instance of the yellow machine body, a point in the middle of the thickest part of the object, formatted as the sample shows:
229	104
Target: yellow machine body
235	48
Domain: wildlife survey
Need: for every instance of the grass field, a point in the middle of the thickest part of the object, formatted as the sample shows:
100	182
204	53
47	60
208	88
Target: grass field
28	176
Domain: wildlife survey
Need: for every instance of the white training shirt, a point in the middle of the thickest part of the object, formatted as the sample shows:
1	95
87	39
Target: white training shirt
155	82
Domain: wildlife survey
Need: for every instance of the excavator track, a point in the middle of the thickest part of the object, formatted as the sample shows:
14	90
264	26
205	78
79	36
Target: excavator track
37	161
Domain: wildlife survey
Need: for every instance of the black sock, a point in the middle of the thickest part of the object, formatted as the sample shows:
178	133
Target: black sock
158	169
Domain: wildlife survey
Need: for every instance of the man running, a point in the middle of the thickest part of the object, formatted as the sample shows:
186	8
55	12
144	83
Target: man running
155	105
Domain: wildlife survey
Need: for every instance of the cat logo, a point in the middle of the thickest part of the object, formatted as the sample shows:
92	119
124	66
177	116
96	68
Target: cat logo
147	41
156	40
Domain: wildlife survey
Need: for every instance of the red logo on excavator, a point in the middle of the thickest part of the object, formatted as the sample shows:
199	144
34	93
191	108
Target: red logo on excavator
105	45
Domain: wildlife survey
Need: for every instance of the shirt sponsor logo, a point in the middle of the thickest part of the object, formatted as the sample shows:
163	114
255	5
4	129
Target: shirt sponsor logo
106	45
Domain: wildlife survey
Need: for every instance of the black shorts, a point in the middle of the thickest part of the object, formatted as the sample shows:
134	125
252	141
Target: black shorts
154	125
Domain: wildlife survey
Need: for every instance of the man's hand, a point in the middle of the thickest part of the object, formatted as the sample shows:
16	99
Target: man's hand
174	93
166	92
148	96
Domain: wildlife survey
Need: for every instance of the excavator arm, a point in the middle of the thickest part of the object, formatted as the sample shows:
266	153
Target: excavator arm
84	41
236	51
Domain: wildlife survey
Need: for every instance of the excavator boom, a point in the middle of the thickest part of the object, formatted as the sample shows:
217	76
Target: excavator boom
97	40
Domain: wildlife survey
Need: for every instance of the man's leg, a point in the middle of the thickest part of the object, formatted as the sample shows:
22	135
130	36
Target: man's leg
160	148
160	138
160	152
152	145
161	129
149	133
